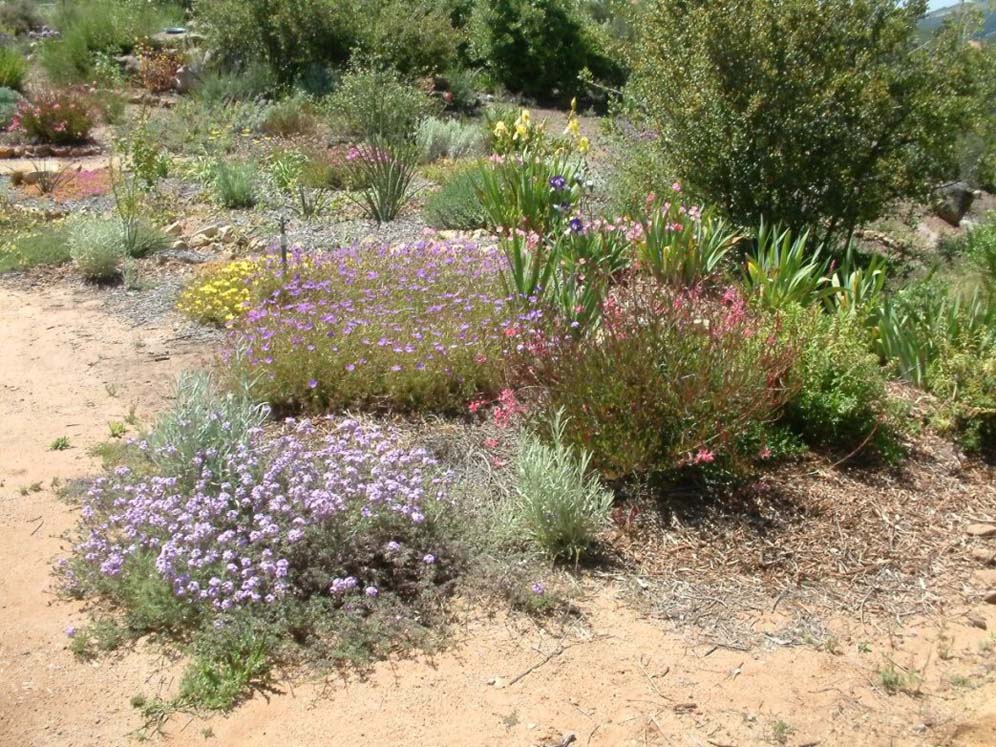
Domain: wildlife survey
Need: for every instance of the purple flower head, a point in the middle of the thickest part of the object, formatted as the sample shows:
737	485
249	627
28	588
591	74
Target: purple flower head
371	591
575	225
538	588
312	384
558	182
429	558
71	632
392	546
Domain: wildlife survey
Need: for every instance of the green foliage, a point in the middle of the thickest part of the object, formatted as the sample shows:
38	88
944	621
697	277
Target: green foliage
388	171
9	99
374	103
678	245
203	418
414	37
804	112
60	444
248	83
965	380
519	195
449	138
556	505
535	47
785	270
13	68
840	400
235	185
31	247
102	635
231	662
456	205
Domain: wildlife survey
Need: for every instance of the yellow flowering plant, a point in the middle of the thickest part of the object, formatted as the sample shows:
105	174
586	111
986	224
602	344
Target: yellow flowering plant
221	293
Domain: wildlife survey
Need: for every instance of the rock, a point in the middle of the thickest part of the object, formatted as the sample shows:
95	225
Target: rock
209	231
953	201
227	235
984	556
977	621
174	229
185	80
990	597
6	151
129	64
183	255
179	245
199	241
981	530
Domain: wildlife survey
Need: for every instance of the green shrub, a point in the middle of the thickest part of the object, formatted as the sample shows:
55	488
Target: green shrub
807	114
965	380
556	505
231	662
671	379
456	205
414	37
13	68
97	248
535	47
235	185
9	99
373	103
449	138
287	36
840	400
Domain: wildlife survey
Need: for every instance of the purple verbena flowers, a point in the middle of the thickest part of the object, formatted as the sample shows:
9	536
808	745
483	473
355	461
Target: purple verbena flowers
424	326
250	539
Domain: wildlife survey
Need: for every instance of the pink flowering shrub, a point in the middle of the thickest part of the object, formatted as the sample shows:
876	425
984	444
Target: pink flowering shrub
421	327
671	379
56	117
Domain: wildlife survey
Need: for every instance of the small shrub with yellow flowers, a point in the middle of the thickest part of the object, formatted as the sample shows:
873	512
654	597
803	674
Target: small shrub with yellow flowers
221	293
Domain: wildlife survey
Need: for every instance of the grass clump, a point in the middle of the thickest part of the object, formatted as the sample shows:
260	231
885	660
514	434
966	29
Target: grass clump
13	68
235	185
557	506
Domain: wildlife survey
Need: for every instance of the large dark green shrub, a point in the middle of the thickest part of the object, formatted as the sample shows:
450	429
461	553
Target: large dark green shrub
535	47
289	36
804	111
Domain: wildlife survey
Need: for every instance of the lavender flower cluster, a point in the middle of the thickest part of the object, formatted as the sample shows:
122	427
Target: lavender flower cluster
237	540
425	326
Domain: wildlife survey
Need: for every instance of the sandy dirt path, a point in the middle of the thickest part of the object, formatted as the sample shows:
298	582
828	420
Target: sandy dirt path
615	678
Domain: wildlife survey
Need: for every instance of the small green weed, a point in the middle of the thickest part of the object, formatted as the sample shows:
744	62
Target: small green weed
117	429
60	444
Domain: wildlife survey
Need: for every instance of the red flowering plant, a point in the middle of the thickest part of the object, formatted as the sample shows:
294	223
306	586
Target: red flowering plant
57	117
671	378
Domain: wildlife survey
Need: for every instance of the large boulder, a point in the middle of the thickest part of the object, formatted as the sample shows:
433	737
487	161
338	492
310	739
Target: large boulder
953	201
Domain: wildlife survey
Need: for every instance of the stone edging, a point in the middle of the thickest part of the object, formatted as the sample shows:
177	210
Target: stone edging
49	151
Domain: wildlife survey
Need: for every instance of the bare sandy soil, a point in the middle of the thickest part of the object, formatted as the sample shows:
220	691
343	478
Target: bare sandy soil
609	676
